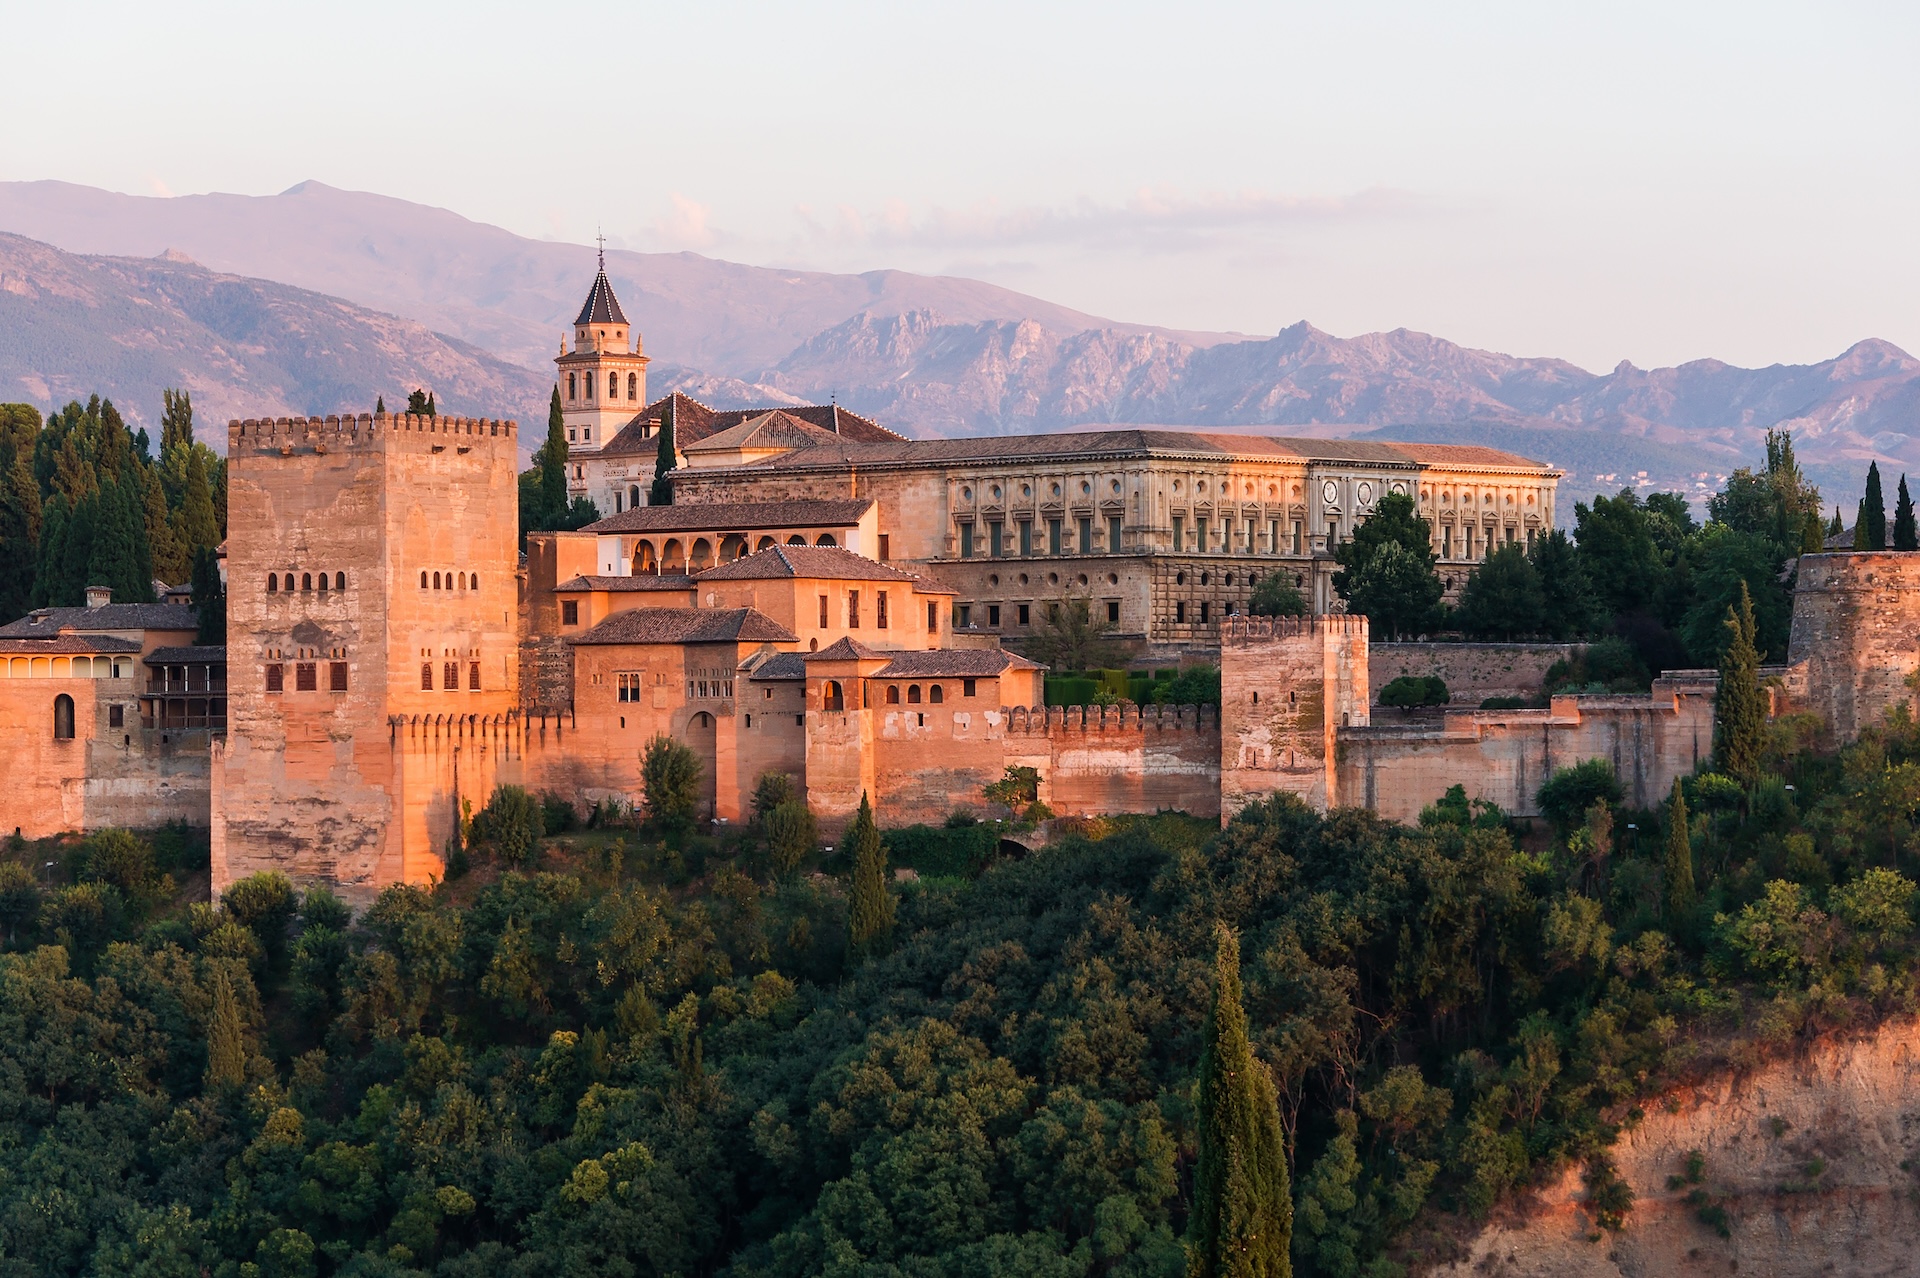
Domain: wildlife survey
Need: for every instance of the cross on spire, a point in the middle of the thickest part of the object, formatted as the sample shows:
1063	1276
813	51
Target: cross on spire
603	249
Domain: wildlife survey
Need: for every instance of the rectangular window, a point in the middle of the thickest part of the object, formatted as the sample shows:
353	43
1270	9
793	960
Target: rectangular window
800	720
1273	536
883	547
1026	614
1467	533
962	616
1250	536
1085	533
1180	612
1203	612
966	687
306	677
1333	533
966	541
1179	533
1113	611
116	716
853	610
994	546
1026	537
1200	534
450	676
473	676
1053	536
1297	532
880	610
993	616
336	676
1113	534
570	612
823	612
933	618
1446	541
276	674
426	676
630	687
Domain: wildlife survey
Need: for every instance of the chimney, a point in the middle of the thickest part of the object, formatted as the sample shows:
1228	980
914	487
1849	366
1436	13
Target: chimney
99	596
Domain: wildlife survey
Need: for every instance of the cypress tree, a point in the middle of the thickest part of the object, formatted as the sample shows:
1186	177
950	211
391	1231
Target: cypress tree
172	560
76	553
226	1046
432	409
196	525
19	537
176	421
417	403
869	904
1873	509
1860	526
664	460
1740	709
379	403
1242	1222
553	466
53	553
1680	893
1835	528
209	598
1904	533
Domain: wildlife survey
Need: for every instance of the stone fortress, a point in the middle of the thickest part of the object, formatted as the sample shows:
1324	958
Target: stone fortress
826	599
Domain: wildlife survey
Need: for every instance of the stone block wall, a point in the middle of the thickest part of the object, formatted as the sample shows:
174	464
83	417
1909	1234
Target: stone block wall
1288	686
1473	671
1855	639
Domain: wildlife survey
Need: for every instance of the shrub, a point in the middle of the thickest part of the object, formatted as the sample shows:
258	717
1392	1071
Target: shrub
1569	792
1276	596
792	833
772	790
1019	787
1194	686
1409	691
670	775
125	861
512	823
1504	703
557	814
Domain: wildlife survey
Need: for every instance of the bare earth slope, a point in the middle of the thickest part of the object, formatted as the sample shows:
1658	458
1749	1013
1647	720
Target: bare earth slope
1816	1162
72	326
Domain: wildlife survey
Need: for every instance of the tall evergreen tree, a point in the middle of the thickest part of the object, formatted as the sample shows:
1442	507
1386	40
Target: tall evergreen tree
1860	526
379	403
176	421
417	403
553	465
172	560
209	597
1873	510
1242	1221
48	570
19	535
433	410
869	904
226	1040
664	460
1679	875
1740	709
1905	536
196	524
1567	600
1503	596
1835	528
76	553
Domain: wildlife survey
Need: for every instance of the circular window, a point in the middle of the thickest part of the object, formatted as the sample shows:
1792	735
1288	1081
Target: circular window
1023	579
1203	578
993	579
1116	485
1085	488
1056	490
1249	490
1026	490
994	492
1053	579
1083	579
1176	485
1529	499
1330	492
966	494
1113	579
1203	486
1179	579
1273	490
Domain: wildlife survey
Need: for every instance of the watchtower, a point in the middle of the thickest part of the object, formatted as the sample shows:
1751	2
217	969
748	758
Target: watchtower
603	380
370	575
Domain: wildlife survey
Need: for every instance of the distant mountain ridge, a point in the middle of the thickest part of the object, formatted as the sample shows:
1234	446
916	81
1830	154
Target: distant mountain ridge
925	355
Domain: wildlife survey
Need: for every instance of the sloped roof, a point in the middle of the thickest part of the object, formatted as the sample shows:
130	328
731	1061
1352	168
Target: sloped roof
644	582
772	429
601	306
735	516
66	645
688	625
694	421
848	650
42	622
782	666
189	655
955	663
830	563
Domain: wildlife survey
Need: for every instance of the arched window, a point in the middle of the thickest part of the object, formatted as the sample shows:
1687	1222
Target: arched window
766	543
633	386
913	695
449	581
893	694
423	579
288	582
831	697
590	379
273	583
826	539
339	581
473	581
463	581
935	696
672	557
63	718
613	386
643	560
306	581
323	583
436	581
572	390
702	556
796	540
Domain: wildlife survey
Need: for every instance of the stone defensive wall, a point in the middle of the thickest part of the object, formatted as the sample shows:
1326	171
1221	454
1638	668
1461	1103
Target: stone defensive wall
1288	685
1473	671
1855	640
1104	760
321	434
1396	767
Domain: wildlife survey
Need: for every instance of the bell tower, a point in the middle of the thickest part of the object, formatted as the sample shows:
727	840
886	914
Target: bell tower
603	379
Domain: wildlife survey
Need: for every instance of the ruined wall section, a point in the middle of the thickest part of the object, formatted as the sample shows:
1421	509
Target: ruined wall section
1473	671
311	782
1856	637
1287	686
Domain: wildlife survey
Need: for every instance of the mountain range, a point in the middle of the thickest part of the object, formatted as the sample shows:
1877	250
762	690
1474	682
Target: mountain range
372	294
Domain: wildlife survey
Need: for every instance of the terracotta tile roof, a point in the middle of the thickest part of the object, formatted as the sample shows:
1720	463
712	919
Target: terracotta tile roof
830	563
688	625
694	421
735	516
621	585
954	663
65	645
189	654
782	666
601	307
1134	442
848	650
772	429
127	616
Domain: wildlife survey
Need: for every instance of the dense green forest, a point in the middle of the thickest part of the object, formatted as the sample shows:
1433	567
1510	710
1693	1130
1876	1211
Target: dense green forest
628	1049
85	501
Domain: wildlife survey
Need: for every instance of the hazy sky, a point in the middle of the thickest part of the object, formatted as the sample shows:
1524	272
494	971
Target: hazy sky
1654	182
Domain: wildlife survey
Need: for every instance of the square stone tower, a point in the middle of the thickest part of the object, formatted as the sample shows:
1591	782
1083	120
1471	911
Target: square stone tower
370	581
1287	687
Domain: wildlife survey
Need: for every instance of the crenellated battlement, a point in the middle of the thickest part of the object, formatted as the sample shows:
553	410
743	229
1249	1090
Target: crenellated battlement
1121	718
1239	629
285	434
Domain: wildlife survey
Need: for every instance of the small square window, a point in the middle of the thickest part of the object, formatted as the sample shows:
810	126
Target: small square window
116	716
570	612
966	687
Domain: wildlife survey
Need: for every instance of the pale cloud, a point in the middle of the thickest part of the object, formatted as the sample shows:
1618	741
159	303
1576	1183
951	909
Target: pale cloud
687	224
158	187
